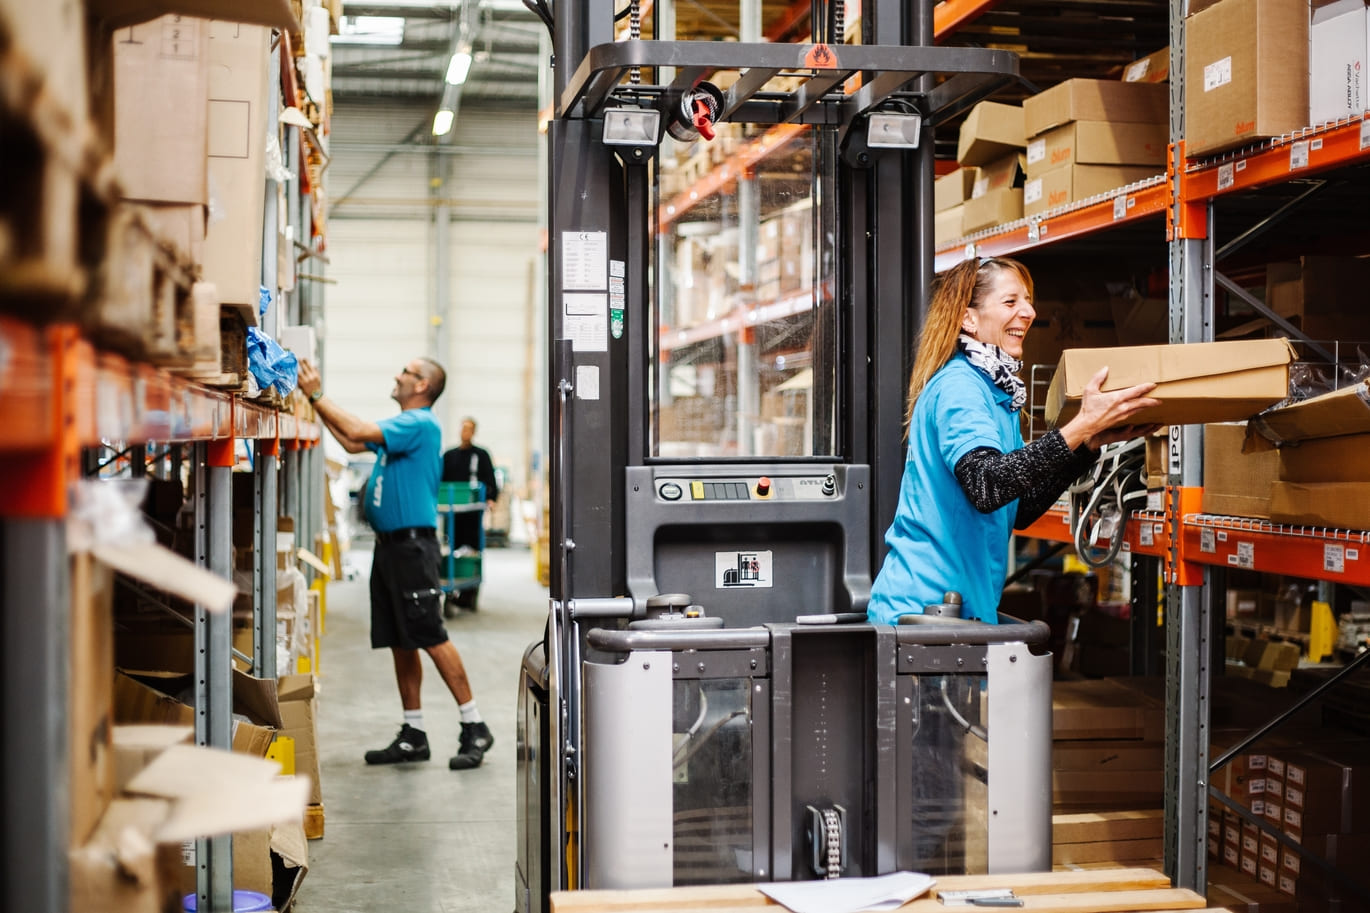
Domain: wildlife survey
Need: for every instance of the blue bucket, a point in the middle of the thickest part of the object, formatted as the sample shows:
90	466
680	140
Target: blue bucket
243	902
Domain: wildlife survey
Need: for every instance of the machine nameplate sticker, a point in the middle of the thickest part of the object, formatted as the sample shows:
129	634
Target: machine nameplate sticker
586	321
584	261
742	569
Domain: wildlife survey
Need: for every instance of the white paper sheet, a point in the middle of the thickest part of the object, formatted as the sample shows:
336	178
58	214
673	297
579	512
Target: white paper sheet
848	895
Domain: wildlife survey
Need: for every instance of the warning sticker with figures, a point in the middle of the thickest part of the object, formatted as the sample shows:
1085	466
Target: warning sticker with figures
740	569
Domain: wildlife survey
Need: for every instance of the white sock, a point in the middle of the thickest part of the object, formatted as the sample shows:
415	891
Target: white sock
469	713
414	719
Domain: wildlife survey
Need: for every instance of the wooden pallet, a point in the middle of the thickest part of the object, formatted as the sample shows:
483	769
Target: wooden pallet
1077	891
313	822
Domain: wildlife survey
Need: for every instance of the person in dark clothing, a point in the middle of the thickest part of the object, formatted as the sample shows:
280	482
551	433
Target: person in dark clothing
969	480
401	504
469	463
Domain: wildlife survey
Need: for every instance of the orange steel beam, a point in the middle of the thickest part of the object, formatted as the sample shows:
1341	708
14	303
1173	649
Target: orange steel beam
1127	207
949	15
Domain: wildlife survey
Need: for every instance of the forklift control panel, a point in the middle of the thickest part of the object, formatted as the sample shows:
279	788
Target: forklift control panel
763	488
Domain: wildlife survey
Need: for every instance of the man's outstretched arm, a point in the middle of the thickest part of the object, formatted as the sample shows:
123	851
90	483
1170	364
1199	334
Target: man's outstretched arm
352	432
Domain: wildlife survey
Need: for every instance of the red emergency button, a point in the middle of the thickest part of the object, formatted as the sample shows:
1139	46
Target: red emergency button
763	487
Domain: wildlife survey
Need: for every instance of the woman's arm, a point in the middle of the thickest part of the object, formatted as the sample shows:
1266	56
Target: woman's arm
1034	475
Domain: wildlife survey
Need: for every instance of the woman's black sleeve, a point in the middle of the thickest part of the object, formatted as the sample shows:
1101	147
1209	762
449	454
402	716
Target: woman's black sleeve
1034	475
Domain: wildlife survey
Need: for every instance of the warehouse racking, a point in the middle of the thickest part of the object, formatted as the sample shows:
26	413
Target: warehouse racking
74	411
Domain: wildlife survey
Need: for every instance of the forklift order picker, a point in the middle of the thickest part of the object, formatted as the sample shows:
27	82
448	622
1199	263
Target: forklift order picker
708	704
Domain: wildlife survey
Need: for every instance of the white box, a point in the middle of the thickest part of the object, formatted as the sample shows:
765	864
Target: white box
1337	52
300	340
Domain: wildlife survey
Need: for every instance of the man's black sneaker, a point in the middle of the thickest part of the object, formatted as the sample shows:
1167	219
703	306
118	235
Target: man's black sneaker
410	745
476	740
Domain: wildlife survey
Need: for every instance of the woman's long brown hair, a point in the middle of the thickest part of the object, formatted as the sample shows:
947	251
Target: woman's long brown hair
964	285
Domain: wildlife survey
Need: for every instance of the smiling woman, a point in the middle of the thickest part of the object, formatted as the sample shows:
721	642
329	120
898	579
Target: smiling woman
969	480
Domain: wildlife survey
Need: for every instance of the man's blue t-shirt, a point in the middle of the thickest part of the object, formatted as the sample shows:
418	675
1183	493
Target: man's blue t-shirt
403	488
938	540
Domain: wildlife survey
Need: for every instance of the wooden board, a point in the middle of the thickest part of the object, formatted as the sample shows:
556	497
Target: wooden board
1083	891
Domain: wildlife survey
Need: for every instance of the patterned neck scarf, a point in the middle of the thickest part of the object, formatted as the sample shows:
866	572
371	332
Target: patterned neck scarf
999	366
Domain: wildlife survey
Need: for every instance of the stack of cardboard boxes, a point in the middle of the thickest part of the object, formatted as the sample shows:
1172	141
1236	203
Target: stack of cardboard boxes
1089	136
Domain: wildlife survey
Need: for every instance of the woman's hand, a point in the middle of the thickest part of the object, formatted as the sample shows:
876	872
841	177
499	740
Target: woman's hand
1106	417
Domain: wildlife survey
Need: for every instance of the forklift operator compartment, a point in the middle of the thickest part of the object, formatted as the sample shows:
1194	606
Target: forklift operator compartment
709	704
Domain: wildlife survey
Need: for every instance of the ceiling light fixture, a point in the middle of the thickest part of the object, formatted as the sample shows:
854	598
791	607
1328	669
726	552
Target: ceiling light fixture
442	122
458	69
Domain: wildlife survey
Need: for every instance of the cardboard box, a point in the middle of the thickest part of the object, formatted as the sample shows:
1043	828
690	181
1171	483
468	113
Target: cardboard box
133	860
1104	709
1328	459
154	697
1337	60
990	130
1197	382
1092	142
1341	505
90	707
1246	73
1073	183
161	81
1236	484
1096	100
301	340
997	207
136	745
1344	411
297	705
239	71
1004	172
946	225
953	189
1154	67
52	37
1317	295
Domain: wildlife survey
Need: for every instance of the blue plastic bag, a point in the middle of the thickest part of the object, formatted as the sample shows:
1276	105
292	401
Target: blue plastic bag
271	365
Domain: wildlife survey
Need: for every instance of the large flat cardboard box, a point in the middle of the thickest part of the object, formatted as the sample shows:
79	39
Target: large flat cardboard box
1196	382
1096	99
1337	61
1326	459
1104	709
989	131
1097	142
161	81
953	189
239	58
996	207
1341	505
1236	484
1246	73
1073	183
1344	411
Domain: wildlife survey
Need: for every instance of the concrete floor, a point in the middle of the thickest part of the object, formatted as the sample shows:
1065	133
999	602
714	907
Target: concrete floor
419	837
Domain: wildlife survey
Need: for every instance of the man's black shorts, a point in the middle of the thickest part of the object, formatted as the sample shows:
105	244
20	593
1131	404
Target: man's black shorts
406	599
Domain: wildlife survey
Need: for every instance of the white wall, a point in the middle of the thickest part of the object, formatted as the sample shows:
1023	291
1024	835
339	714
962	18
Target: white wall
381	235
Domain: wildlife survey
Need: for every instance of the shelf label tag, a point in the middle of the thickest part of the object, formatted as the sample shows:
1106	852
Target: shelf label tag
1334	558
1119	207
1226	176
1298	155
1353	554
1246	554
1364	133
1207	541
1144	536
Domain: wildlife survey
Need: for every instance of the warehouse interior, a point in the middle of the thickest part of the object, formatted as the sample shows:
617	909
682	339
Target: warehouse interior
720	304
